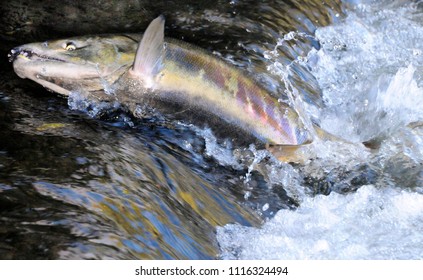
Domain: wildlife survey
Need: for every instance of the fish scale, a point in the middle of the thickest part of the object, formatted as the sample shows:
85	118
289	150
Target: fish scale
239	94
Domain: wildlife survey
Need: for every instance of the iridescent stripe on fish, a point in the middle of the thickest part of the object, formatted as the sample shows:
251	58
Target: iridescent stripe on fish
272	121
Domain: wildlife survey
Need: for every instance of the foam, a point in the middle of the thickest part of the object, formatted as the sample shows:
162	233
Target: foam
369	224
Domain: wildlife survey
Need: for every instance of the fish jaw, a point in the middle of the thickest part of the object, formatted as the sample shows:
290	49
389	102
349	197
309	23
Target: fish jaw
49	69
92	64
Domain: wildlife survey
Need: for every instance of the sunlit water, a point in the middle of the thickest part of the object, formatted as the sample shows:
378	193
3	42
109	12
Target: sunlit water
79	179
369	69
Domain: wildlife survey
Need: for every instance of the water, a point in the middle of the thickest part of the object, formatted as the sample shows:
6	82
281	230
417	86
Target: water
368	224
369	69
81	180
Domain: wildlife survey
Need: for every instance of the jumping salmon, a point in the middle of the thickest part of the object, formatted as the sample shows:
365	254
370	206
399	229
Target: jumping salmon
162	73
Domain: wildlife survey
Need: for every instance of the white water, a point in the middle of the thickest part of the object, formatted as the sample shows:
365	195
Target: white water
369	224
370	70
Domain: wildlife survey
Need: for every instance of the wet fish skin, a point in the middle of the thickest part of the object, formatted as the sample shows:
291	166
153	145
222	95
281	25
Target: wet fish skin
176	73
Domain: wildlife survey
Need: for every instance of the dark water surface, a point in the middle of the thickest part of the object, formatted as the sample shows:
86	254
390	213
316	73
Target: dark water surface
103	185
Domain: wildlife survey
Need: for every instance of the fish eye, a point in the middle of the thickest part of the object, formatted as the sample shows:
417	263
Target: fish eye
69	46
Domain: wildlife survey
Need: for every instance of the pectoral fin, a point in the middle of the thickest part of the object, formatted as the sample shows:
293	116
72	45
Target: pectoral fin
150	52
290	153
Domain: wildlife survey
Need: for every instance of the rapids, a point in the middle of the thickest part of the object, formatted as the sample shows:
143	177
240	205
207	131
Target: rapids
82	180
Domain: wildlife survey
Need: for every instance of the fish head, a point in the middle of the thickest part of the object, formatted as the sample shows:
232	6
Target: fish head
81	64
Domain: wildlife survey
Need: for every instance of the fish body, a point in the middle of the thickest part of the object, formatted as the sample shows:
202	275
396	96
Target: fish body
163	73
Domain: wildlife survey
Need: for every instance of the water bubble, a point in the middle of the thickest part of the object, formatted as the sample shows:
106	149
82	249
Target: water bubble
247	195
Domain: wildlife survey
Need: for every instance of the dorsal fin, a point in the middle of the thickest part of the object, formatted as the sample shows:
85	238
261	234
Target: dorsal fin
149	56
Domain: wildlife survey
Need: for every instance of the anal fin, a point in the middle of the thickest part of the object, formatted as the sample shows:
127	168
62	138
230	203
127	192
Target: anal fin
290	153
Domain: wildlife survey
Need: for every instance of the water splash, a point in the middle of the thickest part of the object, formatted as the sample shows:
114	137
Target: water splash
365	66
95	109
369	70
370	224
286	72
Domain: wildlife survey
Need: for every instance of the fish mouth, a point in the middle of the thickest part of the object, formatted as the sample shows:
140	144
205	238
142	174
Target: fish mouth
30	55
51	86
55	71
26	65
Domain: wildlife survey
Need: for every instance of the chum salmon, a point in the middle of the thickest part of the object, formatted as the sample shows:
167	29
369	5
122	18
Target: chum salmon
164	74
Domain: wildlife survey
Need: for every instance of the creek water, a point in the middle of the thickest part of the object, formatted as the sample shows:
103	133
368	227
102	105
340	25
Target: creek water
82	181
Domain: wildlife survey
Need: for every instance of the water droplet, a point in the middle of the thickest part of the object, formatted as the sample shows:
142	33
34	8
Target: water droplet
247	195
